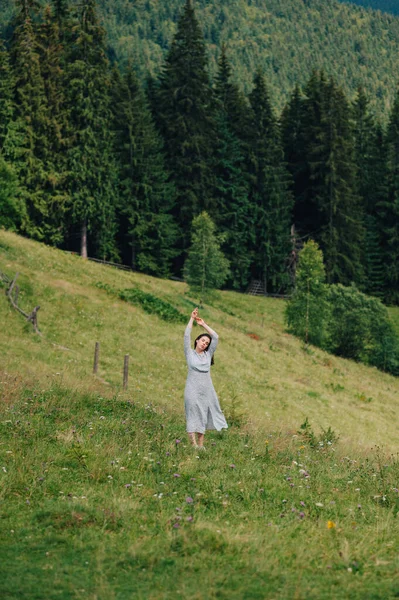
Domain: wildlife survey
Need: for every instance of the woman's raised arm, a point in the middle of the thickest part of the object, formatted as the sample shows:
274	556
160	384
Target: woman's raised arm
212	333
187	333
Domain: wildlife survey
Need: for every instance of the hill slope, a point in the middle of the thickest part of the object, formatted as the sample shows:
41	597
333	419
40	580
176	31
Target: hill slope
276	383
101	497
286	39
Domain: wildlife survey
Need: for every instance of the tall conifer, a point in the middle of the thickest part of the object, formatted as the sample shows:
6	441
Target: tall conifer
146	196
271	200
91	167
30	119
6	98
389	210
233	213
331	196
185	116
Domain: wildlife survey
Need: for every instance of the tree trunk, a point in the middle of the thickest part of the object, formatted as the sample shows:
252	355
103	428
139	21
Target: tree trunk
83	240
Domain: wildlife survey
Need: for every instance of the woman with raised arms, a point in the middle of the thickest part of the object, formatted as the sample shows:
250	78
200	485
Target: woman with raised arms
200	400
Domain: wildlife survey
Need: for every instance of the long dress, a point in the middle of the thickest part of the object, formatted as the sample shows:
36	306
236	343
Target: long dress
200	400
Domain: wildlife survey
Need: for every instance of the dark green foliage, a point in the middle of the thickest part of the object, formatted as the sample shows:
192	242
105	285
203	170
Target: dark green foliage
354	46
29	144
146	196
359	328
373	258
234	217
270	199
206	268
340	319
11	207
52	52
91	165
307	310
331	207
153	305
185	117
389	210
6	98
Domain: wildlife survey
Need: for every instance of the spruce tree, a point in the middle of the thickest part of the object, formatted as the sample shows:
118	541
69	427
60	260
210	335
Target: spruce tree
293	139
31	116
12	209
370	159
91	167
233	213
389	210
52	56
185	117
146	196
333	208
270	197
6	98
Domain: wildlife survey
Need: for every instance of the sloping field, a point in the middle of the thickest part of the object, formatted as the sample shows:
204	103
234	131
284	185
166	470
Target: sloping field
259	367
101	498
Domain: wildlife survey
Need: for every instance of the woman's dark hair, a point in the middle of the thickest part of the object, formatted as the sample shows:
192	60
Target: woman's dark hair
210	339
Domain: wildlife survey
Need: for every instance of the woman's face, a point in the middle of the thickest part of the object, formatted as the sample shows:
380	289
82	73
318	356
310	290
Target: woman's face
202	344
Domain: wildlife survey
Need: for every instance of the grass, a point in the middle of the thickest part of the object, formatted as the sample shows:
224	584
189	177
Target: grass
95	492
102	498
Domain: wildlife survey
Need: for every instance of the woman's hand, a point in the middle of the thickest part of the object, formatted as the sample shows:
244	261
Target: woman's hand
194	314
200	321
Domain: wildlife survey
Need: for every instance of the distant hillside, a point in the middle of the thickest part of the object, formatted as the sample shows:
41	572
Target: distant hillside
287	40
389	6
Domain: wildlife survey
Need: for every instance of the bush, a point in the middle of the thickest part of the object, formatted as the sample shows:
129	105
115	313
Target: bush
359	328
153	305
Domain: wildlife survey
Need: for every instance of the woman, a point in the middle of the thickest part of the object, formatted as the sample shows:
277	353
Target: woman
200	399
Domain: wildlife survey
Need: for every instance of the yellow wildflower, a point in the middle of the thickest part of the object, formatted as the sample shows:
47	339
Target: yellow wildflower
331	525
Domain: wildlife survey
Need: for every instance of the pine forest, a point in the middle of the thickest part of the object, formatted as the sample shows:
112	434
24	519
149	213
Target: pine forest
114	158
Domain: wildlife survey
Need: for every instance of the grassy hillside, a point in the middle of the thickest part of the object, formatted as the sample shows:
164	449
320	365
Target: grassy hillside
263	368
100	495
286	39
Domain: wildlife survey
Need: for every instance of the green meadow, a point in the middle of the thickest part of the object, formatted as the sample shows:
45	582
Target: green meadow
102	498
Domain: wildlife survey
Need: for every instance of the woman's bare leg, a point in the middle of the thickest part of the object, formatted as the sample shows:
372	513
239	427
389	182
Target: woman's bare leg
191	437
200	439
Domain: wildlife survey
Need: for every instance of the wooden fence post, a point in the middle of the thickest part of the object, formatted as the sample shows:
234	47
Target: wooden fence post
125	371
96	357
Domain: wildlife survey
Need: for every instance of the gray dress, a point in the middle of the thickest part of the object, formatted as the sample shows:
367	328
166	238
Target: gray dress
200	400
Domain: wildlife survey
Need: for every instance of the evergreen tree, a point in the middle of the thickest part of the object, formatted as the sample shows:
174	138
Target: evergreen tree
6	98
233	214
336	215
185	117
389	210
369	152
30	120
91	166
270	198
231	98
146	196
206	268
11	206
293	139
52	56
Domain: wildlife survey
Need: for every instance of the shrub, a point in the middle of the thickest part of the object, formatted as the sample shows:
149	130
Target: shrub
359	328
153	305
